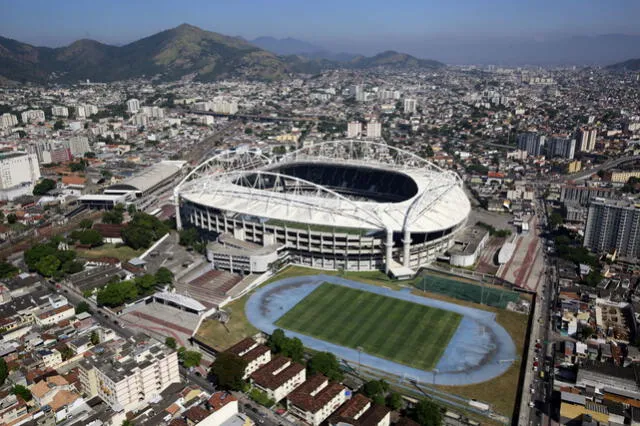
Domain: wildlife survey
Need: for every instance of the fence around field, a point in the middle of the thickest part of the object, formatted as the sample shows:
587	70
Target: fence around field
466	291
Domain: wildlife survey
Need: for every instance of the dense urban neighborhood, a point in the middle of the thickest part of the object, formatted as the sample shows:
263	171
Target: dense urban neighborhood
394	243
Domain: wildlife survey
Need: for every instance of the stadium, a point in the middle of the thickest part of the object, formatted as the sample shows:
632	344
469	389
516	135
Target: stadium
352	205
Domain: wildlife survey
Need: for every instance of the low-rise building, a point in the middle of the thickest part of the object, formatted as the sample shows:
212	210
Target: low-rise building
279	377
360	411
255	354
316	399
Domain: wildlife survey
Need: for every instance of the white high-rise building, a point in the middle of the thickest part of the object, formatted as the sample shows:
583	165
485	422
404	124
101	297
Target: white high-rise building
140	119
587	140
561	147
613	225
8	120
532	143
78	145
359	93
133	106
17	168
152	112
81	112
374	130
410	106
60	111
354	129
132	377
33	116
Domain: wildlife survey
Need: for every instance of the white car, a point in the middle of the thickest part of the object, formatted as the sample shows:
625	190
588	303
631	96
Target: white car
531	404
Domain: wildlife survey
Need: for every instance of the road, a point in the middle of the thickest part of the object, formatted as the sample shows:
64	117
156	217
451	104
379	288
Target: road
536	392
604	166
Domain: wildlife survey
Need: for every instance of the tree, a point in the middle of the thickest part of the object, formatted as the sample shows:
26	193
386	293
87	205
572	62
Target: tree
191	359
325	363
66	352
115	216
95	339
4	371
145	283
12	218
375	387
188	237
22	392
83	307
164	276
58	125
394	401
131	209
171	342
117	293
555	219
426	413
44	186
85	224
143	230
229	371
87	237
79	166
48	265
7	270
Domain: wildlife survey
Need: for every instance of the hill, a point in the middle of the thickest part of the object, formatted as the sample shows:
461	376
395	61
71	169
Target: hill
629	65
285	46
173	54
393	59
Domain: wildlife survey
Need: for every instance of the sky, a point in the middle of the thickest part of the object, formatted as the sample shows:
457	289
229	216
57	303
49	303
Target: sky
339	22
453	31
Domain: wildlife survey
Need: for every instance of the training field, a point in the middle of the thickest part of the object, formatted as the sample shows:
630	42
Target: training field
408	333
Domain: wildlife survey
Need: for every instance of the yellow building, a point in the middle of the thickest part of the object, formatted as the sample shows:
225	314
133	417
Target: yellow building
574	166
621	176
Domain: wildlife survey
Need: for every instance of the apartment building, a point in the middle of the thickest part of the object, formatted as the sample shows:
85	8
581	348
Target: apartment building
131	376
279	377
360	411
613	225
255	354
316	399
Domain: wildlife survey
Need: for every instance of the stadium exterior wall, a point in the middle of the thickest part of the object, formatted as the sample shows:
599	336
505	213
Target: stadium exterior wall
319	248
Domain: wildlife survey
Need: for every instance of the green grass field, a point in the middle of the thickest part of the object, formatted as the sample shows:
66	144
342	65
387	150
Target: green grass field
405	332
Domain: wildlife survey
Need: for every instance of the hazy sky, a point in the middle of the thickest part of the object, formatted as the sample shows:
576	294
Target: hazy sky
339	24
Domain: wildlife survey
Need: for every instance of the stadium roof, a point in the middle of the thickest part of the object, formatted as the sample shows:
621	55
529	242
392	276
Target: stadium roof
150	176
182	300
439	204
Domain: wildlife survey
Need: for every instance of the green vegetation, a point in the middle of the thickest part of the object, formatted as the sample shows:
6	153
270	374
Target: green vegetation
189	358
261	398
115	216
427	413
120	252
44	186
7	270
95	339
78	166
501	233
382	326
460	290
22	392
4	371
46	259
85	224
83	307
171	342
325	363
164	276
118	292
143	230
89	237
228	369
289	347
190	238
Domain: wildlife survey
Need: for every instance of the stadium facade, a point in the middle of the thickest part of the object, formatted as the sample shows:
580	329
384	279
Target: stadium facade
347	204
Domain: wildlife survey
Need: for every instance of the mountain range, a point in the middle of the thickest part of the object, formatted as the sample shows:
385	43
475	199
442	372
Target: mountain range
184	51
629	65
